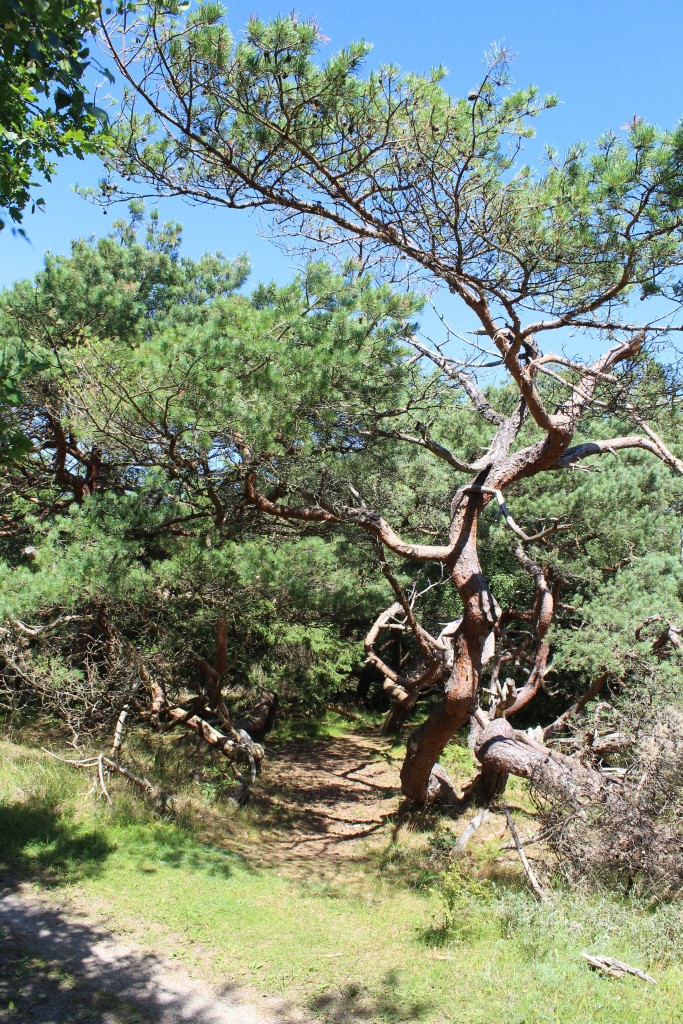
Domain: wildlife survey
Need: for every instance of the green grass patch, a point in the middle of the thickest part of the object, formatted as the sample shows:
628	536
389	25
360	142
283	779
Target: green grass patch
469	951
330	724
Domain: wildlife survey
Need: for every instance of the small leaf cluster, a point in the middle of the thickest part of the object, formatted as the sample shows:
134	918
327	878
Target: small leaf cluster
44	109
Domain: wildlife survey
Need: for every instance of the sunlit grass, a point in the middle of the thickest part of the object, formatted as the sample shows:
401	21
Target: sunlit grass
395	947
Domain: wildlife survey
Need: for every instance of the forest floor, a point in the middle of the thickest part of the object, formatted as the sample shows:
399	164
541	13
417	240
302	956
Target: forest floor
319	799
322	901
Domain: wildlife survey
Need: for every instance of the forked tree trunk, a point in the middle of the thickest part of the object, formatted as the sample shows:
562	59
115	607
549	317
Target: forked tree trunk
422	778
403	700
500	750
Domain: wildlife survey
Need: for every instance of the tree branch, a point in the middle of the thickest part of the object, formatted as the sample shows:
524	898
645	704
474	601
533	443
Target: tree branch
582	451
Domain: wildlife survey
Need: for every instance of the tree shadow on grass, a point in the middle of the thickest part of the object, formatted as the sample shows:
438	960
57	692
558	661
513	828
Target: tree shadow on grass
168	847
356	1003
57	970
40	843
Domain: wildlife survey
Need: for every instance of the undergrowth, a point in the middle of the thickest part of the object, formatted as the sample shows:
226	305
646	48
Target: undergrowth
473	906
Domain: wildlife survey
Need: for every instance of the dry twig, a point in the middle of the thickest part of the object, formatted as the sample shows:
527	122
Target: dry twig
616	968
469	831
536	886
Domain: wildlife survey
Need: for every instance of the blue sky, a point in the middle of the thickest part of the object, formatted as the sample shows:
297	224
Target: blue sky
607	60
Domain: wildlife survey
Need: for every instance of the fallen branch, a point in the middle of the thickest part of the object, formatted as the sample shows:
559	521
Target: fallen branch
33	631
121	720
101	761
469	831
538	889
337	709
100	772
616	968
535	837
140	781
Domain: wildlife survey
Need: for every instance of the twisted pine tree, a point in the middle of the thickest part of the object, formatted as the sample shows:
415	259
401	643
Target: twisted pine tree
413	180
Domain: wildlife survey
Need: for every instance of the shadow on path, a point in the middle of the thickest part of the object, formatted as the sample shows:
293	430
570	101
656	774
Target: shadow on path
59	971
316	800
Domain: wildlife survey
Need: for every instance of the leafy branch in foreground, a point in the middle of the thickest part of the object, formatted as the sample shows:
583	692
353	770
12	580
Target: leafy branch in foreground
44	109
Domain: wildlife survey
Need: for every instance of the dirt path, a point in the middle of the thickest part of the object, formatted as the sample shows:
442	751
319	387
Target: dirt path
316	804
59	969
319	801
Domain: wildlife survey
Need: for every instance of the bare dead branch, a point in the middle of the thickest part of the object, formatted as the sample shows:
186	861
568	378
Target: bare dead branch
536	886
579	705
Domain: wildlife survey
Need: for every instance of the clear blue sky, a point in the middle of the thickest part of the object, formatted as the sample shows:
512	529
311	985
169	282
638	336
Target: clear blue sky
607	60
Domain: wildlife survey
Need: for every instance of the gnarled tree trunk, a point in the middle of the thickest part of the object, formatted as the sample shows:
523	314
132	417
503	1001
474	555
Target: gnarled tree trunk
422	779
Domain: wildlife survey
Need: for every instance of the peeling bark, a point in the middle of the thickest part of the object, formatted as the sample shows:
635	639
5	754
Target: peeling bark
500	748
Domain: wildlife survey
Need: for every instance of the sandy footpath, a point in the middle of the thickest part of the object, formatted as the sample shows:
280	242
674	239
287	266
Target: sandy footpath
59	968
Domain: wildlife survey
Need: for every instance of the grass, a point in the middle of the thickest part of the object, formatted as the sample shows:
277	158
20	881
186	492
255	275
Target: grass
328	724
392	947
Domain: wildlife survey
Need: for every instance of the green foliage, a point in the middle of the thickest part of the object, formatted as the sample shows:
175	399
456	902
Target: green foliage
605	642
391	158
13	443
467	907
482	909
155	379
390	161
44	110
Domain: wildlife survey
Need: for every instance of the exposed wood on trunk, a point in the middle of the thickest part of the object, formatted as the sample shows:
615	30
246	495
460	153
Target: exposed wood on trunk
544	607
121	721
159	701
373	657
228	746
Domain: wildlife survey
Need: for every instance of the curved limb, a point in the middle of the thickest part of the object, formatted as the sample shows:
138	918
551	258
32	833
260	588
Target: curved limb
404	688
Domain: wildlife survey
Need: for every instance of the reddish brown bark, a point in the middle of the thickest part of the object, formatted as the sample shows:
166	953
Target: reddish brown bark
221	646
420	782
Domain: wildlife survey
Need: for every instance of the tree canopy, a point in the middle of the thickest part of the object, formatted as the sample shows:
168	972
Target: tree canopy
155	538
418	185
